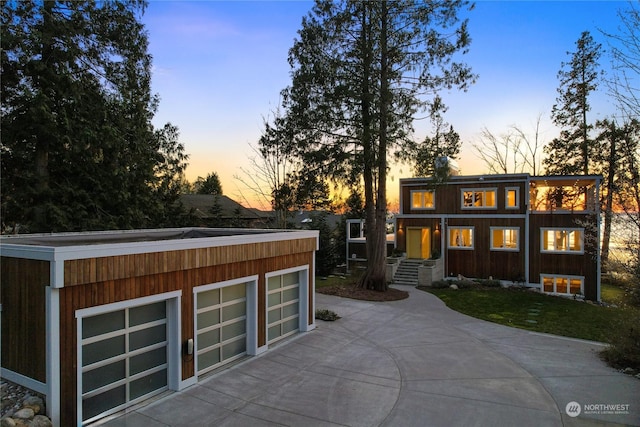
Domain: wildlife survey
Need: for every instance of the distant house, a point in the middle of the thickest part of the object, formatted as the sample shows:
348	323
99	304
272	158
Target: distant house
101	321
221	211
539	230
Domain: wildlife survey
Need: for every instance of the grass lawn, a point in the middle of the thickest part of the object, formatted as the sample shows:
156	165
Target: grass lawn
534	311
327	282
611	293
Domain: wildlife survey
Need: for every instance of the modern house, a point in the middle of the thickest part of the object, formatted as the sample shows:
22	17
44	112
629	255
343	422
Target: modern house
101	321
542	231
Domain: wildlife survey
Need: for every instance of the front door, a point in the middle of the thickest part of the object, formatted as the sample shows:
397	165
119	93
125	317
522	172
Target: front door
419	243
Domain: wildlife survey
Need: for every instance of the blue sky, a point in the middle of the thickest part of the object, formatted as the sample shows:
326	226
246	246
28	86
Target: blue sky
219	67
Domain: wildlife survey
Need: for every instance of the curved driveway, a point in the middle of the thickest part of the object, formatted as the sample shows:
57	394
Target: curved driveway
407	363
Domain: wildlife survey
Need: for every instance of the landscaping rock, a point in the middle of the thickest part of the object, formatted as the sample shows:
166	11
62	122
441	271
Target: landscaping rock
7	422
35	403
41	421
24	413
454	287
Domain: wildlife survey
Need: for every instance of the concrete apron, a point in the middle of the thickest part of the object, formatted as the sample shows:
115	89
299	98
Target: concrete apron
407	363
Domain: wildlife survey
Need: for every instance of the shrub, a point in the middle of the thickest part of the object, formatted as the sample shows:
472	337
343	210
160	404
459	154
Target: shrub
489	283
441	284
328	315
624	342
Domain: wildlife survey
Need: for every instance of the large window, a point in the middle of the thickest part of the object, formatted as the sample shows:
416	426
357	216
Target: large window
512	197
461	237
422	199
555	284
479	199
505	239
562	240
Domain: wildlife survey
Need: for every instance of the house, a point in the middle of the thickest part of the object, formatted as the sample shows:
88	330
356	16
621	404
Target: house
542	231
222	211
100	321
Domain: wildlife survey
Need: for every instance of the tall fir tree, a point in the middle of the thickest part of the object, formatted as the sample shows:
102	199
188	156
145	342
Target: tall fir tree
361	72
79	150
572	152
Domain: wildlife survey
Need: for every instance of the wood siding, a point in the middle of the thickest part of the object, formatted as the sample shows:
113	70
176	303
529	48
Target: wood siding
196	267
584	265
95	270
23	298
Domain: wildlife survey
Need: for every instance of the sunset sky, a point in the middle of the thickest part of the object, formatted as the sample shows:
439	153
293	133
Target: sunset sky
219	67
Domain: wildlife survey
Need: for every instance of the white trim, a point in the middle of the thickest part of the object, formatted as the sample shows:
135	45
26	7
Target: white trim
504	249
464	248
479	190
23	380
97	250
506	197
52	314
100	309
466	215
422	193
561	251
569	277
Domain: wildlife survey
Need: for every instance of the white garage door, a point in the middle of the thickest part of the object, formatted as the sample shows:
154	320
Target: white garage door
221	326
283	301
123	358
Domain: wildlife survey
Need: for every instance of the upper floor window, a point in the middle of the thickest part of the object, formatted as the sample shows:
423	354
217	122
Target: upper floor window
505	238
479	199
512	198
461	237
562	240
422	199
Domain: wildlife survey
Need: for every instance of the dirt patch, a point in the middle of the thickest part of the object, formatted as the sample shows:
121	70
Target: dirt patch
350	291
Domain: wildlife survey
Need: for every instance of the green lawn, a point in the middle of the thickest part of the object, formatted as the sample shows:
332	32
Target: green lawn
324	282
611	293
534	311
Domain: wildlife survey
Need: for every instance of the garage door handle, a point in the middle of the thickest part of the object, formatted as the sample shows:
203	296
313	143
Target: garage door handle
190	346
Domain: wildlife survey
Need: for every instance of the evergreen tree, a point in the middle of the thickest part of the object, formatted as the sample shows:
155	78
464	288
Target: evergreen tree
209	185
360	74
78	148
572	152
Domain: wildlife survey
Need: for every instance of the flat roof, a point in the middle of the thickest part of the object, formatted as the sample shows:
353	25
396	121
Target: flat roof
126	236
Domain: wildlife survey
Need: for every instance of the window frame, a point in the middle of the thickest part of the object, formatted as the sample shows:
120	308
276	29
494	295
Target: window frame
517	198
567	277
450	229
493	190
492	247
422	206
568	230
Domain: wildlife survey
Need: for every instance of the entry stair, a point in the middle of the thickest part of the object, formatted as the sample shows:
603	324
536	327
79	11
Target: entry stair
407	272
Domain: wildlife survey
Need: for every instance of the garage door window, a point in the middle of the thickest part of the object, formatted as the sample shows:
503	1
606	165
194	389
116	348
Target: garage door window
124	358
283	305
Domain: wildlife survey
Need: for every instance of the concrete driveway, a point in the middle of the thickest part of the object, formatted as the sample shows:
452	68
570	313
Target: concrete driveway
407	363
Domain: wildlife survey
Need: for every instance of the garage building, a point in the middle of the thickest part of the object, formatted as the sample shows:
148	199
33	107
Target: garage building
100	321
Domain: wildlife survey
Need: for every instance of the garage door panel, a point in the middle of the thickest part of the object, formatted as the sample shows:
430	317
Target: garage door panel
149	360
102	324
208	298
209	338
233	330
148	384
283	305
234	311
290	310
234	292
147	337
208	318
290	326
101	403
147	313
209	358
233	348
104	375
102	350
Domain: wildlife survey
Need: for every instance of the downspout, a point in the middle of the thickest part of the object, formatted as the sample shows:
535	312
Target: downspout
598	247
527	231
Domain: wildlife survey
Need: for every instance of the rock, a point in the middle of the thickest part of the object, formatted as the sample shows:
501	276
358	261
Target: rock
24	413
629	371
41	421
7	422
35	403
453	287
637	376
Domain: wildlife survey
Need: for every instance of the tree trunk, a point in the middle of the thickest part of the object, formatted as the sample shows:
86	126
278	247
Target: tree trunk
608	207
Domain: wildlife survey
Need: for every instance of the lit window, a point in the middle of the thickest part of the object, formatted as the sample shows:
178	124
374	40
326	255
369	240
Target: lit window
567	285
422	199
461	237
504	239
512	199
562	240
479	199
